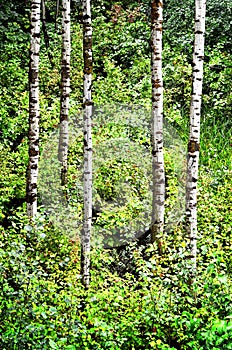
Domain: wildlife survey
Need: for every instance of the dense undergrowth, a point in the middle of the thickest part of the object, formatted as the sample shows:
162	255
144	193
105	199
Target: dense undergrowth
138	298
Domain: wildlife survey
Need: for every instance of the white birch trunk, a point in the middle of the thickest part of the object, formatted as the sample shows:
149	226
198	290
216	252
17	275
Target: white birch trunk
65	90
87	104
34	112
157	121
194	135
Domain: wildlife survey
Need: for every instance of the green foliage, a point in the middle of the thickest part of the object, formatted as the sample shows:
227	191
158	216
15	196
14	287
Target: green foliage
34	261
12	186
138	299
111	89
217	101
126	35
44	306
215	216
179	23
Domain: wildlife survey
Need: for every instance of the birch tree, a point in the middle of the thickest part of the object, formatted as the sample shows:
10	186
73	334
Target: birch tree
65	90
194	135
34	111
87	105
157	120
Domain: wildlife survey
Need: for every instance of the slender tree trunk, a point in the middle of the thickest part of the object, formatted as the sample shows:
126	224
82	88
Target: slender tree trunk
65	90
87	104
194	135
34	112
157	121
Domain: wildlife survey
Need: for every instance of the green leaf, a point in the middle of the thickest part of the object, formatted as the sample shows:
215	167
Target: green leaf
53	344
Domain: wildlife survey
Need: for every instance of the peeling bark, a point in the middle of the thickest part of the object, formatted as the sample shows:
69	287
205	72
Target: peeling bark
87	105
157	121
194	135
34	111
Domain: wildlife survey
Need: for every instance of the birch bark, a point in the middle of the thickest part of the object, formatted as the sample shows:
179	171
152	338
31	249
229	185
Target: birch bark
157	120
34	111
87	104
65	90
194	135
